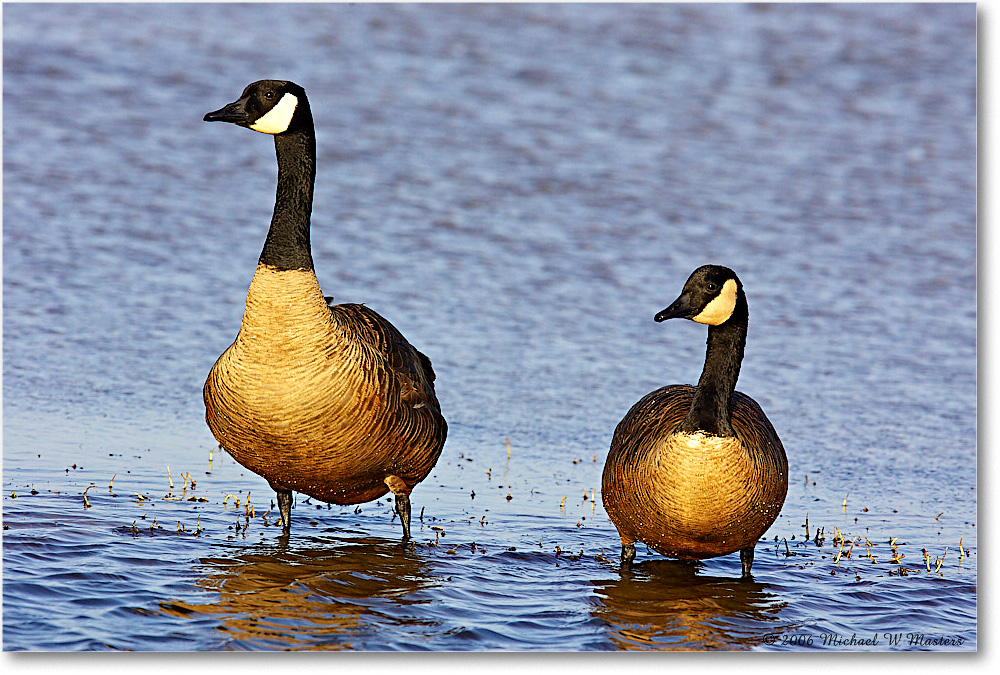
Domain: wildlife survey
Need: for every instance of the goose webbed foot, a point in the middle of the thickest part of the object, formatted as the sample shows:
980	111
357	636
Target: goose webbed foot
746	558
403	509
628	555
285	509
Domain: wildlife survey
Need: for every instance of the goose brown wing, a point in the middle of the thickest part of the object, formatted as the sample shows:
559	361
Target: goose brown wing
656	414
660	412
413	372
757	434
626	482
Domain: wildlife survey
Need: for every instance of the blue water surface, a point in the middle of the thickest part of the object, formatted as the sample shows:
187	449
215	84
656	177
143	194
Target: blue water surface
519	189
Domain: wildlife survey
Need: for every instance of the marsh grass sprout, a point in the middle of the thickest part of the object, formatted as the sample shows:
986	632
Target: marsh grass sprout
940	561
820	536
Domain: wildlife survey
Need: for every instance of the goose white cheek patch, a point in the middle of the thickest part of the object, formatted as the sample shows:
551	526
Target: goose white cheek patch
721	308
278	118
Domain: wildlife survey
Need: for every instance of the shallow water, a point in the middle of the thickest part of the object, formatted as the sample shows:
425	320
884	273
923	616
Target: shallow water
518	189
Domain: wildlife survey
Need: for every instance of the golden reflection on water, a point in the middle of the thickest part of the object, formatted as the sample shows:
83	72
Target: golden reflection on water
666	604
323	598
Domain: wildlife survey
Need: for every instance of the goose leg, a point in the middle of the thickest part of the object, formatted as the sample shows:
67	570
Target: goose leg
285	509
628	555
403	509
401	493
746	557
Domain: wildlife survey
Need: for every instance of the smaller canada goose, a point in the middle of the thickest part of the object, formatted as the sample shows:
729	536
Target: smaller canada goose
329	400
698	472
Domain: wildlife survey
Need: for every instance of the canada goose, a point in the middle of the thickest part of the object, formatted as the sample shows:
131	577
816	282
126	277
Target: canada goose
698	472
328	400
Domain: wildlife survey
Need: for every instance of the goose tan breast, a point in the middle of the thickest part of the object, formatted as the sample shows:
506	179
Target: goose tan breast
701	480
288	368
711	494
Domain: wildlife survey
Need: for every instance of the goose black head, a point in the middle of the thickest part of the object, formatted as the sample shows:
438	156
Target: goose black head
710	296
267	106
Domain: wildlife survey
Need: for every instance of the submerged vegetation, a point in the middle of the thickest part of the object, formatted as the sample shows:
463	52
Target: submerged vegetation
833	549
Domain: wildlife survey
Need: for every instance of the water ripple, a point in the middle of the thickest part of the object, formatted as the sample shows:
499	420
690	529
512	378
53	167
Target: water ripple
518	188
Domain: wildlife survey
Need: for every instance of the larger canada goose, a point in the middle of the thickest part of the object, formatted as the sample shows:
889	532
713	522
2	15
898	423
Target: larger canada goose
698	472
328	400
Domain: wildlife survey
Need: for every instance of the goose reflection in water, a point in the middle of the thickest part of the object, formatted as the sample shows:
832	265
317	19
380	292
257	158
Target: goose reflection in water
326	597
668	604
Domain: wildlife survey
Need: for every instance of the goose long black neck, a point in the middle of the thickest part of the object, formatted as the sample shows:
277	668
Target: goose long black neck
711	410
287	245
